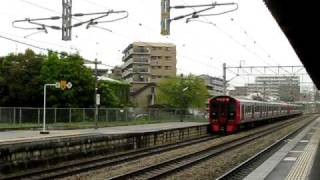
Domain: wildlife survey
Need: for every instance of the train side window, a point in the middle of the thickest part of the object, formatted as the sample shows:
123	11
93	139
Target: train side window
252	111
215	109
242	111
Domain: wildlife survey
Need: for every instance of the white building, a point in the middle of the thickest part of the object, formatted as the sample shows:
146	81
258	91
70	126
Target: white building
213	84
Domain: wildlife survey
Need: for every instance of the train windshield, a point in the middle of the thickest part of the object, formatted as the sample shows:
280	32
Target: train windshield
224	108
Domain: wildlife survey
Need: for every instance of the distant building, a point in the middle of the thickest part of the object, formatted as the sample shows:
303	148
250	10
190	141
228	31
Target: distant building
284	88
116	73
213	84
119	88
145	63
239	91
102	72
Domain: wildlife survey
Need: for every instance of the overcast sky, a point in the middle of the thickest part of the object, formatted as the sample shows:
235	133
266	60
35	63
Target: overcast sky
249	35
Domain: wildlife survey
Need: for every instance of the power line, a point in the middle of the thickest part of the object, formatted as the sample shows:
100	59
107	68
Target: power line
152	30
228	35
39	6
254	41
44	42
41	48
186	57
24	43
66	19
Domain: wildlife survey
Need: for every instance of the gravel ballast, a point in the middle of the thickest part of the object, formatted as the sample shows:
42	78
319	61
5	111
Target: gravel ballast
205	170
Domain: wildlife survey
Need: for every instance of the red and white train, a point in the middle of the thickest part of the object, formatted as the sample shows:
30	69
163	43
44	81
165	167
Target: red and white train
227	114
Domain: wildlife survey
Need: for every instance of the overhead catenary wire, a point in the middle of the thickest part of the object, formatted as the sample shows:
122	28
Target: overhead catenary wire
153	31
38	41
115	33
230	36
39	47
119	35
90	22
24	43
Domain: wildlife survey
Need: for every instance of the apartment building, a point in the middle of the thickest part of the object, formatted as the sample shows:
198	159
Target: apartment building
285	88
146	63
213	84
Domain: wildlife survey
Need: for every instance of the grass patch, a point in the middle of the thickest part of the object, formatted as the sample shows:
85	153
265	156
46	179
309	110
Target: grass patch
8	126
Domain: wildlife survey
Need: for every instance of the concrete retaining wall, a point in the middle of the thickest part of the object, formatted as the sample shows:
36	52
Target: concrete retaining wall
26	155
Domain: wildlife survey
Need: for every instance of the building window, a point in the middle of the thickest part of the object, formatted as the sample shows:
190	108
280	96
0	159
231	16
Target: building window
167	67
167	58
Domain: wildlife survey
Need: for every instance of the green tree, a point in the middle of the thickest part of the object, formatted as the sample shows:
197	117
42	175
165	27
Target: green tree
20	82
22	77
71	69
114	94
182	92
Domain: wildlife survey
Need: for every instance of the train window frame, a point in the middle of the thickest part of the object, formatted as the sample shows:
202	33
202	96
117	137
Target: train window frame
242	111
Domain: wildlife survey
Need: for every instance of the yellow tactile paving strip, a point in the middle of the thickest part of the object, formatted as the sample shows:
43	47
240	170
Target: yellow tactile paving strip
301	169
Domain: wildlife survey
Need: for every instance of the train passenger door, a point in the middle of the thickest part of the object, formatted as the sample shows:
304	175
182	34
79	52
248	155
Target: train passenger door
231	110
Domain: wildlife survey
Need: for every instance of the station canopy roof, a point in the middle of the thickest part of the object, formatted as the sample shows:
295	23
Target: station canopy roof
300	23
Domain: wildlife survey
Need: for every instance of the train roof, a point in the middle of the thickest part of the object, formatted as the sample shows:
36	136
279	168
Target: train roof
256	101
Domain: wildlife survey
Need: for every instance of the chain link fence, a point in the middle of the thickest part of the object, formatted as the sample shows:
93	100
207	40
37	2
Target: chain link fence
21	115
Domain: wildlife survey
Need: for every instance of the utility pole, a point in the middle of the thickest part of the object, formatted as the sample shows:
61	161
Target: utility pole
264	90
95	93
224	66
66	19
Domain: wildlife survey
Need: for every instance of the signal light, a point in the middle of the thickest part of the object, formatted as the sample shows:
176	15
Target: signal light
165	17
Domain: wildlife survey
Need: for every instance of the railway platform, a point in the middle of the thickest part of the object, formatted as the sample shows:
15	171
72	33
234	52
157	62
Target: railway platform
29	148
299	159
18	136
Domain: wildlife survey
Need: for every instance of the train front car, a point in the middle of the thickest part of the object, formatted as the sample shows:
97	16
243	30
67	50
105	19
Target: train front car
224	114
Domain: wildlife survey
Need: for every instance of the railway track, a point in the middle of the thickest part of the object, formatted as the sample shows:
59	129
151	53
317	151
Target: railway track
168	167
75	168
243	169
105	161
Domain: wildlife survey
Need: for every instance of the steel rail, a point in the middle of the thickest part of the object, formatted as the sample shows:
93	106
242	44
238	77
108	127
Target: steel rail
170	166
71	169
234	171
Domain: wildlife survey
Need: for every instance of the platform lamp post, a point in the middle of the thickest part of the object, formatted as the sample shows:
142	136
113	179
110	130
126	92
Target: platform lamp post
63	85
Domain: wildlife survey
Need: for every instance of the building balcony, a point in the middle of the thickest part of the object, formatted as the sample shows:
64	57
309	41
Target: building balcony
135	61
132	51
137	80
126	72
135	71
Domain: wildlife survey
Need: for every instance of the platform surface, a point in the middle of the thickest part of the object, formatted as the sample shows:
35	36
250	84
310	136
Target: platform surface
28	135
295	160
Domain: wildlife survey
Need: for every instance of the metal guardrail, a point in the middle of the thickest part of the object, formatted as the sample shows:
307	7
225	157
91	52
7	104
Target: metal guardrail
20	115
